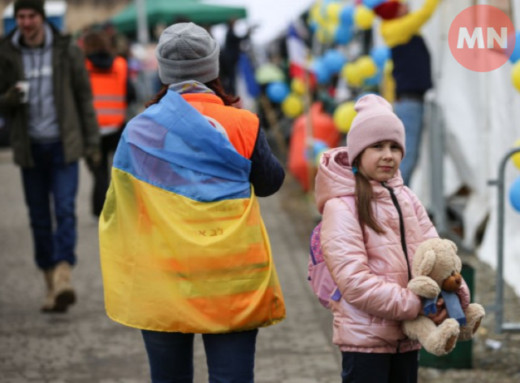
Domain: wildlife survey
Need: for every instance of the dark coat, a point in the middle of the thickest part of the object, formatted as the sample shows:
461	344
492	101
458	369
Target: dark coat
72	98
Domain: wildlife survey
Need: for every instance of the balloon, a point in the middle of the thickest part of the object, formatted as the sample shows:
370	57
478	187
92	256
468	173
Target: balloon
514	194
374	80
344	34
317	147
334	60
315	13
333	12
516	157
363	17
292	106
317	157
516	50
321	71
380	55
269	73
346	16
367	66
372	3
277	91
515	75
326	32
313	26
297	86
352	75
343	116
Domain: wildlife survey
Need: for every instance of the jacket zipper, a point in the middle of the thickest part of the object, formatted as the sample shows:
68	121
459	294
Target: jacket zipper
403	239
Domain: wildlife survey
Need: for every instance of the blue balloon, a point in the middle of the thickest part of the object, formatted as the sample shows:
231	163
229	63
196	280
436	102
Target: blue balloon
344	34
514	194
346	16
318	146
334	60
320	70
516	51
277	91
374	80
313	26
372	3
380	55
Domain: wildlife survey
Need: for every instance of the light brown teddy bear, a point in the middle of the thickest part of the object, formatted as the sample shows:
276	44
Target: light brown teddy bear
436	268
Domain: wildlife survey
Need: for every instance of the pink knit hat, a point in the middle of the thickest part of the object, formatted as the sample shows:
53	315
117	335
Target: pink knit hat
375	121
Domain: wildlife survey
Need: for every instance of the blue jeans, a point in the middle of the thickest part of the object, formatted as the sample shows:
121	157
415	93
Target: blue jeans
51	187
230	357
361	367
411	113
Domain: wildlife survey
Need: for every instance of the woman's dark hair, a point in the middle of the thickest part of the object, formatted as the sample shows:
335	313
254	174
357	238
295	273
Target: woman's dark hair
215	85
364	194
96	41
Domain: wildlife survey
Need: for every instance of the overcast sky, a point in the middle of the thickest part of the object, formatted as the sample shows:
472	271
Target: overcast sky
271	16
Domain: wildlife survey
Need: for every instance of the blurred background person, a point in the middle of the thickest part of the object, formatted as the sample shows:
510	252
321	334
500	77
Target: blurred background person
231	54
412	71
113	92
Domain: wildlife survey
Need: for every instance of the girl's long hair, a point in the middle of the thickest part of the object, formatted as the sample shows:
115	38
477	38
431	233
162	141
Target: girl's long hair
364	195
215	85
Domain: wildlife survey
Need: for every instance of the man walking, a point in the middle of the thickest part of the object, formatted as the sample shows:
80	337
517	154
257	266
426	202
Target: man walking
46	98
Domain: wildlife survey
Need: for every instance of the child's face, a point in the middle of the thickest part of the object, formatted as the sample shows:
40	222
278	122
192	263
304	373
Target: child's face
380	161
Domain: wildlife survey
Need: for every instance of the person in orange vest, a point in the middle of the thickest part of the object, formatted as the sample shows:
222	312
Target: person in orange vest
183	246
112	91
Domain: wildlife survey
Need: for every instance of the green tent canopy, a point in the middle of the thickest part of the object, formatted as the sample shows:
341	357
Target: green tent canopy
170	11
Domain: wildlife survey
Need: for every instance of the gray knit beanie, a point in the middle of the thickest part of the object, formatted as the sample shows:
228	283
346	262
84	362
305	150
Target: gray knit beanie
187	52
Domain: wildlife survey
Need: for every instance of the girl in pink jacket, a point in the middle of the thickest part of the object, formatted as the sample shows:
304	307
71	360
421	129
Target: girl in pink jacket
368	245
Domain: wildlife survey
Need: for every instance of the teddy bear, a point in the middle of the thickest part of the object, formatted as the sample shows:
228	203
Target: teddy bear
436	269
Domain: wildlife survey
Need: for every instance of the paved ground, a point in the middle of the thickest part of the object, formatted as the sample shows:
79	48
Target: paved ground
84	346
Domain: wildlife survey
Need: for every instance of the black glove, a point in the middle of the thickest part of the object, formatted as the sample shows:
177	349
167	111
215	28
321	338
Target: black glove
13	96
93	159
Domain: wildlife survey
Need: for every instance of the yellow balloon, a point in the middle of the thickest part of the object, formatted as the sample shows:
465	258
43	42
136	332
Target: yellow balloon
363	17
515	75
298	86
292	106
325	33
367	66
343	116
333	11
352	75
516	157
315	12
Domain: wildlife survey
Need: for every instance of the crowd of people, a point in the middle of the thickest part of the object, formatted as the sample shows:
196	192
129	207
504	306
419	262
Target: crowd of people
176	191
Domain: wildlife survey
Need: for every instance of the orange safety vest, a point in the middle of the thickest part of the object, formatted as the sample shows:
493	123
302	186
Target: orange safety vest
109	91
241	126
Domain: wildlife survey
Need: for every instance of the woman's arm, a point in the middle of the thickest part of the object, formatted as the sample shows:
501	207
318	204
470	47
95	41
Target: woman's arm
267	174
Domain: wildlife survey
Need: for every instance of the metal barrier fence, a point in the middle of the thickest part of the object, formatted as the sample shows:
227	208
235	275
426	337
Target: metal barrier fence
498	308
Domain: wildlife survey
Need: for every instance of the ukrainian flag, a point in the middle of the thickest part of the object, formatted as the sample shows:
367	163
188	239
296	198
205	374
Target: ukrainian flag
182	243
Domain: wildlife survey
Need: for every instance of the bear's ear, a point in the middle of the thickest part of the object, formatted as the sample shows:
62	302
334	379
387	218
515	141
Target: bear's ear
458	261
426	263
452	244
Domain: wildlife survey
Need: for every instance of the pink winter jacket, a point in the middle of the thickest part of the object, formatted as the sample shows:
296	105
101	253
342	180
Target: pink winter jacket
371	270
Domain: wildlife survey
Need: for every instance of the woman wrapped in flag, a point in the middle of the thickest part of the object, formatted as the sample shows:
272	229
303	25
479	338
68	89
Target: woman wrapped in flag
183	246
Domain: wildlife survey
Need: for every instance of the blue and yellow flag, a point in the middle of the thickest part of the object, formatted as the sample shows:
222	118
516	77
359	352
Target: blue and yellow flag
182	242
